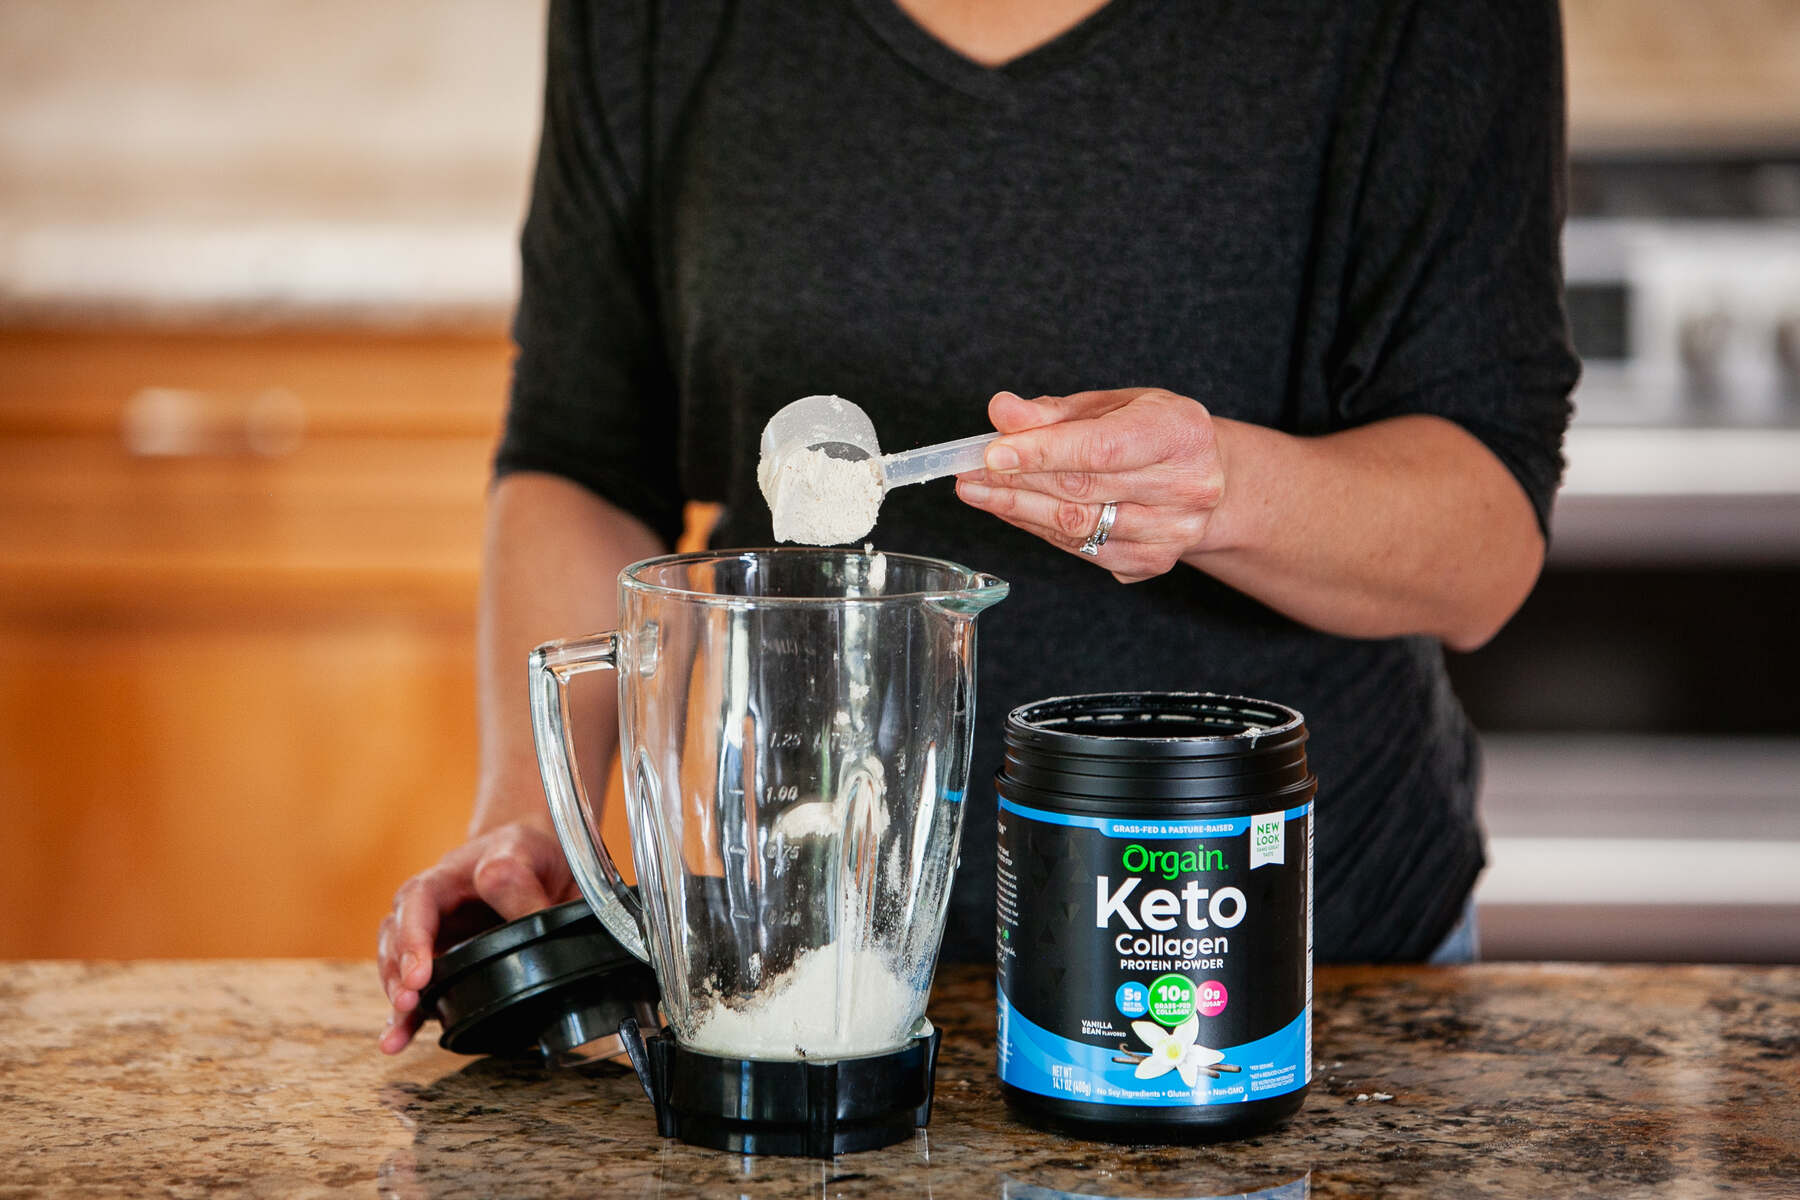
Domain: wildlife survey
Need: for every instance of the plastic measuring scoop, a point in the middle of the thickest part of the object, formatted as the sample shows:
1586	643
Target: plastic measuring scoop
843	430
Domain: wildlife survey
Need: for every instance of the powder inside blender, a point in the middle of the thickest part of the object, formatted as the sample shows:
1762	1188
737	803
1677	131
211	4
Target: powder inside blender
831	1003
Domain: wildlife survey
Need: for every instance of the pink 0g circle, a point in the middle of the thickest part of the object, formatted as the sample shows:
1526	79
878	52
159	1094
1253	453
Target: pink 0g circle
1209	998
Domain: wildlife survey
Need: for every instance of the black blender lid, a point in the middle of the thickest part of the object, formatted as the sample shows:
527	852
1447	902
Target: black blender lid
554	980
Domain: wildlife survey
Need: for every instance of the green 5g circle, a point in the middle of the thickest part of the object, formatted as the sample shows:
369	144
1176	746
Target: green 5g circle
1172	1000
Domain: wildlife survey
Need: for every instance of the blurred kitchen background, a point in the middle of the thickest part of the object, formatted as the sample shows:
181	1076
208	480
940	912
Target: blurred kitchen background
256	262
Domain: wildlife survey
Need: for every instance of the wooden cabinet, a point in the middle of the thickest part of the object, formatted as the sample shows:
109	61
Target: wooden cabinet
237	590
1648	75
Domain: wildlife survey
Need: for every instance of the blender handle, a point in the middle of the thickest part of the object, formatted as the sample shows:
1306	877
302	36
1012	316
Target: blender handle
552	666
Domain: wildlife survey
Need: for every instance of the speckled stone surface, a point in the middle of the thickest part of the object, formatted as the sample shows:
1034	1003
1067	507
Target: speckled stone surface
262	1078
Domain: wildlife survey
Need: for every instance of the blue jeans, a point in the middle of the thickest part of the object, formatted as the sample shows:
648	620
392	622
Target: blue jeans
1462	945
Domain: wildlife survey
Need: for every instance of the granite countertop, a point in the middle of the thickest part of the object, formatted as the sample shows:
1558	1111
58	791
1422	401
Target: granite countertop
262	1078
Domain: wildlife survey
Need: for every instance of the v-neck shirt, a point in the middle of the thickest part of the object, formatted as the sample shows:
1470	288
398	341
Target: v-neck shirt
930	55
1309	214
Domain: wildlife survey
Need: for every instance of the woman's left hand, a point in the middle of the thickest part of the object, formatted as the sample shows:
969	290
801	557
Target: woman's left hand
1150	452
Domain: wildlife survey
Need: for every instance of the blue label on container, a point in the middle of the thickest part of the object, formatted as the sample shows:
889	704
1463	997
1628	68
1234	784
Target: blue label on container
1113	827
1153	962
1171	1066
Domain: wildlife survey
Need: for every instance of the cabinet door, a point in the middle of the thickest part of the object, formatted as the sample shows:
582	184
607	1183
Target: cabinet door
237	582
238	786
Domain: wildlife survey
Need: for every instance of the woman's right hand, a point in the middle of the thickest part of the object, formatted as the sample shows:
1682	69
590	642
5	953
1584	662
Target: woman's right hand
508	872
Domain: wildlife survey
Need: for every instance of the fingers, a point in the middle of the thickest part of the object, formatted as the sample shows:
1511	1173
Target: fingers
1098	432
1159	484
506	873
408	936
1144	541
1067	523
1150	451
400	1029
418	908
1012	413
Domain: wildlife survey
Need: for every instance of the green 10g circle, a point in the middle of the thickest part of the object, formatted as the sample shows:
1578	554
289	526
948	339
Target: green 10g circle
1172	1000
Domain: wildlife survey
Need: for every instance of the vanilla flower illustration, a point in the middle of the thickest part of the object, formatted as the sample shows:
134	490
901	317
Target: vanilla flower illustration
1174	1050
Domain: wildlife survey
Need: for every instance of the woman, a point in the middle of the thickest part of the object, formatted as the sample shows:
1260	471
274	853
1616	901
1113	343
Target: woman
1266	299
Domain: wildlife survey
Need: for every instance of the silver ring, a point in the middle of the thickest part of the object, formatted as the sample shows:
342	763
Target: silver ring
1109	512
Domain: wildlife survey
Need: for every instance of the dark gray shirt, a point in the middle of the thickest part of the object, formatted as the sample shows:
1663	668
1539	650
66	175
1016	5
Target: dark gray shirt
1310	214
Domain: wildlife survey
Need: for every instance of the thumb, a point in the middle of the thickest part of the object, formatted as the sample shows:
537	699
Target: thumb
517	877
1012	413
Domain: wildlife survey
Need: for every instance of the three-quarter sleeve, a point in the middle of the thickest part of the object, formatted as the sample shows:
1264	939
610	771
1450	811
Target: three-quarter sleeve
1452	295
592	399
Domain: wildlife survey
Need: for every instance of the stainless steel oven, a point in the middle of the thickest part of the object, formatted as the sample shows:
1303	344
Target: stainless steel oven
1641	714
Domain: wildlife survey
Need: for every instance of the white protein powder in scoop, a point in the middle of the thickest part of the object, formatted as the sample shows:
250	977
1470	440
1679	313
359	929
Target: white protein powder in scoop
808	1012
819	500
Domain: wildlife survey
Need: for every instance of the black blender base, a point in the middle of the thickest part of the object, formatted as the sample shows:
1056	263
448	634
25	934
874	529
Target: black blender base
810	1109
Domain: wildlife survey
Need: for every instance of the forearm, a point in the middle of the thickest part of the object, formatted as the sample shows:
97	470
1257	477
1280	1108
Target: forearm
550	569
1407	525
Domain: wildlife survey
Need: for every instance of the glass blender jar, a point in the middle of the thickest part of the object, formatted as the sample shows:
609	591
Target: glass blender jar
795	730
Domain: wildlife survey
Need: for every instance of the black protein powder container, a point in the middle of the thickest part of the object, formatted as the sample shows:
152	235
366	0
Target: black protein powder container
1155	915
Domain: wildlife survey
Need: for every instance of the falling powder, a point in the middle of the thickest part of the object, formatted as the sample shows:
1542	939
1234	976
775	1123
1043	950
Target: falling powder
807	1012
819	500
